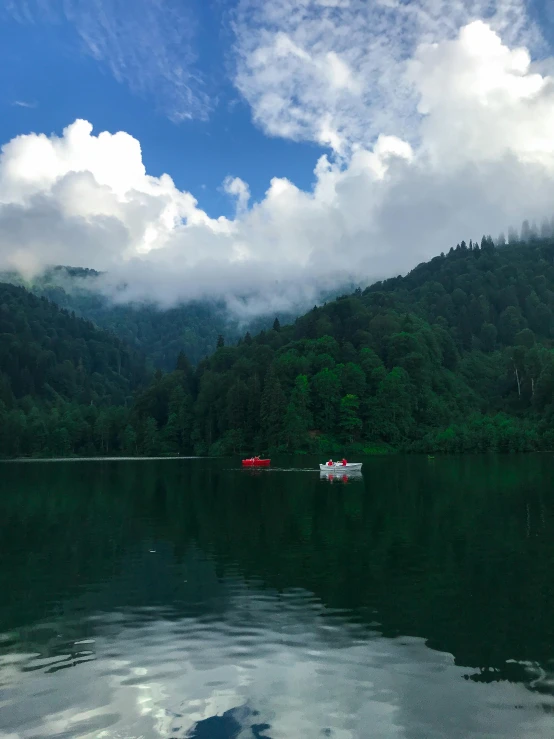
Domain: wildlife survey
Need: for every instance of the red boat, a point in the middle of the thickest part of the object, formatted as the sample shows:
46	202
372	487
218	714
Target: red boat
256	462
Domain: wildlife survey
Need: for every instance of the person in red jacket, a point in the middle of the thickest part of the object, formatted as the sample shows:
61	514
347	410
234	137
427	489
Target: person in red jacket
330	463
344	462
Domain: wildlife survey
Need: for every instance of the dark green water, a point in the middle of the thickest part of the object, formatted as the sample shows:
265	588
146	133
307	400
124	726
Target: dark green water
190	598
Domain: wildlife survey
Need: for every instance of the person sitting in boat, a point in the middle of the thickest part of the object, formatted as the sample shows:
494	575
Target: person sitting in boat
344	462
330	463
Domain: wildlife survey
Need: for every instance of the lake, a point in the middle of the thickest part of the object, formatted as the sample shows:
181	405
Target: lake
191	598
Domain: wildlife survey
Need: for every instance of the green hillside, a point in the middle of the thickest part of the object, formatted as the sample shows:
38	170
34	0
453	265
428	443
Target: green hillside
52	365
457	356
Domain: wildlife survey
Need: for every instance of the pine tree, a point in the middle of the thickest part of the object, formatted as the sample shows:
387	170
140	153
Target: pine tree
129	440
272	408
237	400
298	418
102	431
276	325
326	389
253	410
220	342
150	437
183	365
179	422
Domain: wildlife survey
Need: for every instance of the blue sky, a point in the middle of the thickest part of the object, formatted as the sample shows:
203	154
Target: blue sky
310	142
46	65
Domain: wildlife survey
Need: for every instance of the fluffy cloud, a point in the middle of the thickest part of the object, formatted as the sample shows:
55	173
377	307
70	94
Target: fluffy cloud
333	71
482	159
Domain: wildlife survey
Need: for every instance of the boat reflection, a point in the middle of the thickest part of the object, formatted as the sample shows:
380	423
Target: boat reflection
341	476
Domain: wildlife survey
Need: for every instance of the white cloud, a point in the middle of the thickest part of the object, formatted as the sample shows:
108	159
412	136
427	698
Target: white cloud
239	189
483	160
333	71
146	44
276	658
23	104
476	86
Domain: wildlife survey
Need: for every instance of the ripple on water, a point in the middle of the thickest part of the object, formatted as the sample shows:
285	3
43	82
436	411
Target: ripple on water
180	644
161	678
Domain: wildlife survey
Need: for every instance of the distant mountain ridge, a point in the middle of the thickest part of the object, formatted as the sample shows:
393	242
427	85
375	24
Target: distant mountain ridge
58	373
160	334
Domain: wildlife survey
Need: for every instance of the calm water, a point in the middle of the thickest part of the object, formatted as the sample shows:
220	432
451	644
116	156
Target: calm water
190	598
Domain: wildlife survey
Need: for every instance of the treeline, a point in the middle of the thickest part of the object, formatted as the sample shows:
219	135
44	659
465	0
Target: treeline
160	335
455	357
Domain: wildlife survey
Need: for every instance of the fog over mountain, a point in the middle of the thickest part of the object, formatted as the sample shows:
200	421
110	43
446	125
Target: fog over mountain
466	149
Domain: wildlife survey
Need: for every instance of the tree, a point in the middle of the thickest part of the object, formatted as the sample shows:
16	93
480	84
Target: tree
37	433
509	324
298	418
392	416
369	361
533	363
150	442
60	443
544	387
516	358
102	431
220	342
272	408
253	410
353	380
182	363
237	403
129	440
488	337
349	419
176	434
276	325
525	338
326	396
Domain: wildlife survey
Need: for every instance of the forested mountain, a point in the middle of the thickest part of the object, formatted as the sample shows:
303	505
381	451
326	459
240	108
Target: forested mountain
456	356
161	335
56	366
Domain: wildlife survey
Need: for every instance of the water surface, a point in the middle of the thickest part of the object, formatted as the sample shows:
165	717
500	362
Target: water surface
190	598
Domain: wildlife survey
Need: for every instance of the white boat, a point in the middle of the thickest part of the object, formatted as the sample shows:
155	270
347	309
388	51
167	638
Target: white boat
340	467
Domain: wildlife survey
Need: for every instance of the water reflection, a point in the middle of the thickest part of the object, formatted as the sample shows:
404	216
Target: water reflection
276	665
187	599
345	477
240	720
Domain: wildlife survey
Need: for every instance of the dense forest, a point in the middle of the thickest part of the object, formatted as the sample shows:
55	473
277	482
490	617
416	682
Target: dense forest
456	356
161	335
58	374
